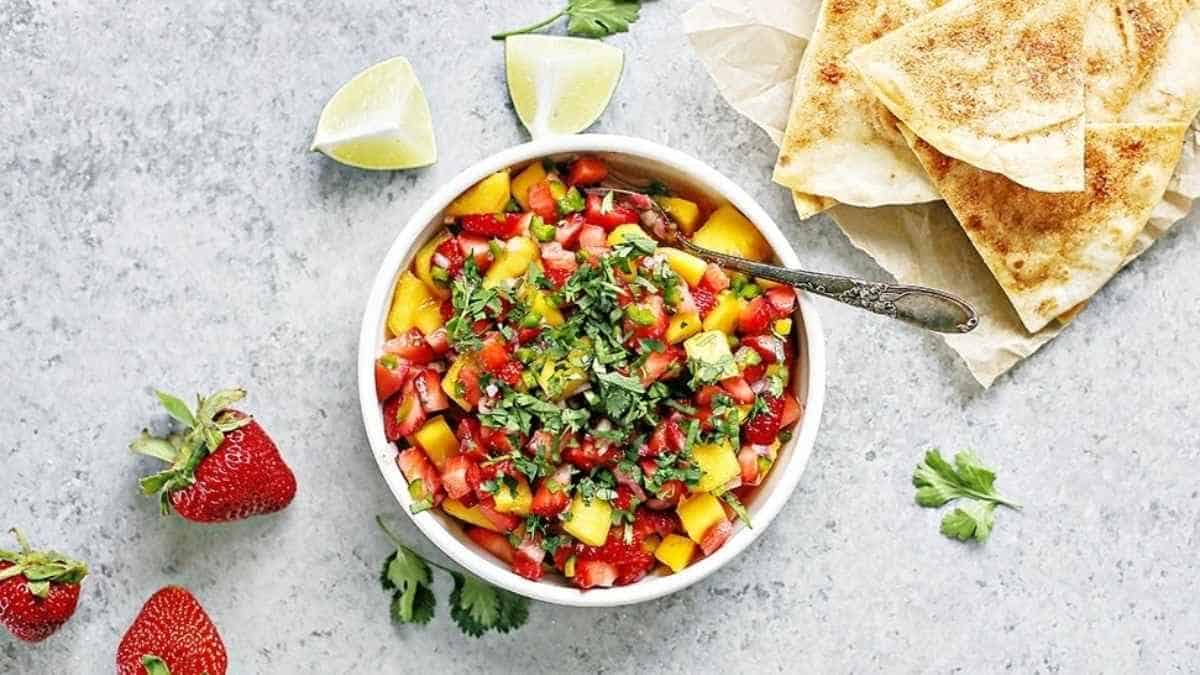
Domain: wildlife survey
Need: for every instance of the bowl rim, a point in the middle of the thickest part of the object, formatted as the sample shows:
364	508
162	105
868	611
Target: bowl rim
430	524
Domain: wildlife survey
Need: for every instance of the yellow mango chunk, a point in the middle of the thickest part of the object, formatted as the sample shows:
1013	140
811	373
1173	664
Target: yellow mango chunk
468	514
450	381
698	513
489	195
437	440
514	259
719	465
675	552
728	231
724	316
423	264
684	212
627	231
683	326
529	176
427	317
782	327
410	294
687	266
540	303
514	501
711	348
589	522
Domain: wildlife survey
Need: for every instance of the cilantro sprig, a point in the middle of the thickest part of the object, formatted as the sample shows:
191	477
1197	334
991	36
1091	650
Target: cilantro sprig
588	18
939	482
474	605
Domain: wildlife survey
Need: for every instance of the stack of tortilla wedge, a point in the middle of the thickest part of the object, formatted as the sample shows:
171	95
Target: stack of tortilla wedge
1051	128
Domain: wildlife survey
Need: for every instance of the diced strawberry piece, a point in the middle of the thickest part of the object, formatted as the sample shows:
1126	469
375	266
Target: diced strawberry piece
706	394
477	247
748	460
593	237
630	559
668	495
589	454
549	503
656	329
470	438
769	347
782	300
704	300
715	537
593	573
662	365
530	550
459	475
494	354
714	280
567	232
519	222
502	521
447	310
415	465
527	568
558	264
755	317
527	335
493	542
647	522
791	411
754	373
511	372
490	225
428	384
452	253
391	374
402	413
562	554
468	382
739	389
619	214
624	499
763	427
439	341
410	346
587	171
541	201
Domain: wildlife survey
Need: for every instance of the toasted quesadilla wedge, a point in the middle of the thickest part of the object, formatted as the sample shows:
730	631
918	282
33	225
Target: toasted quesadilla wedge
1172	92
995	83
1124	42
1052	251
840	142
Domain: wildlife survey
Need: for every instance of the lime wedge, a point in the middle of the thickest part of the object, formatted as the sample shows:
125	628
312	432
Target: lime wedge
560	85
379	120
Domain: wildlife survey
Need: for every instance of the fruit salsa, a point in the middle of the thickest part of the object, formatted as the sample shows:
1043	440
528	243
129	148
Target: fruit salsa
578	395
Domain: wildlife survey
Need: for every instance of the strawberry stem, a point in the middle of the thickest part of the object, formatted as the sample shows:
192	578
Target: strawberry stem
155	665
21	540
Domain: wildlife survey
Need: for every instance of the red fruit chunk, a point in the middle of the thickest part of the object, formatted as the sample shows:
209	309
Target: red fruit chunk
542	202
791	411
391	374
593	238
647	522
593	573
493	542
528	559
587	171
568	230
668	495
558	263
30	617
527	568
478	248
439	341
619	214
782	300
415	465
402	413
428	384
460	476
763	427
715	537
410	346
502	521
706	394
452	252
704	300
496	358
662	365
174	627
468	381
490	225
755	317
548	503
588	454
769	347
630	560
470	437
739	389
748	460
714	280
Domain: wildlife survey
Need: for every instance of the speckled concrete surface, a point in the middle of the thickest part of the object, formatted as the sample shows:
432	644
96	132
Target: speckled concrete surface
163	225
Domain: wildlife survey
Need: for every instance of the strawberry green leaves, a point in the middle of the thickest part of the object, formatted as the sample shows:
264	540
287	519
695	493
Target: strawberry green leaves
939	482
588	18
475	606
40	568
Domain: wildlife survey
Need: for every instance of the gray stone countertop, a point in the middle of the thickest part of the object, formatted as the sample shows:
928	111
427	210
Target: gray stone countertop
163	225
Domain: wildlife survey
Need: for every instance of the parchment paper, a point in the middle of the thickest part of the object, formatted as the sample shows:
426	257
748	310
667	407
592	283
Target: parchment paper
752	49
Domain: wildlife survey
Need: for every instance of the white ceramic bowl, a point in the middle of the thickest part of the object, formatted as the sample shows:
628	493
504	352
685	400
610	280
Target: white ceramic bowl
635	157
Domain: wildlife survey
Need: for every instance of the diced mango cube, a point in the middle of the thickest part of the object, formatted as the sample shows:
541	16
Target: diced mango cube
687	266
529	176
514	259
540	303
711	348
782	326
469	514
683	326
728	231
410	294
589	523
427	317
698	513
685	213
437	440
423	264
625	232
489	195
718	463
724	316
450	381
675	552
516	501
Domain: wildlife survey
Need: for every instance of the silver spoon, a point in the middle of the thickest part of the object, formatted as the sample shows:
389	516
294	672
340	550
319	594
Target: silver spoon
926	308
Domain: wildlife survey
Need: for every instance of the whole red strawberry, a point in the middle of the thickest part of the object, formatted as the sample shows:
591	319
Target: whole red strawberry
38	590
223	466
172	636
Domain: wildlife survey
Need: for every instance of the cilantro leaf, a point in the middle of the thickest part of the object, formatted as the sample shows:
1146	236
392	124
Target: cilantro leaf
938	482
601	18
477	607
408	576
973	520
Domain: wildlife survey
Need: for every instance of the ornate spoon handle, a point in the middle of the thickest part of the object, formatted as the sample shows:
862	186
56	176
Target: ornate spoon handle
926	308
